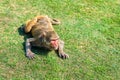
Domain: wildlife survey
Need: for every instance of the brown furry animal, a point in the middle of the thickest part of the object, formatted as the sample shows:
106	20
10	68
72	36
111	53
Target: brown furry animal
44	35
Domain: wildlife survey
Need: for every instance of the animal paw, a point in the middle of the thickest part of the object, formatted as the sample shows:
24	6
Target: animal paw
63	55
30	54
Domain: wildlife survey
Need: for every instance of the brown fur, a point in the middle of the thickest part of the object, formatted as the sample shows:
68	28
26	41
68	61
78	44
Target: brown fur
44	35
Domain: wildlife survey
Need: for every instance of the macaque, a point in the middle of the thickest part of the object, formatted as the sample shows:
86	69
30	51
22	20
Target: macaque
44	35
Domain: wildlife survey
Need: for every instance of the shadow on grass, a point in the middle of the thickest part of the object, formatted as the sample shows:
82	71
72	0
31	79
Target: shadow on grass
36	50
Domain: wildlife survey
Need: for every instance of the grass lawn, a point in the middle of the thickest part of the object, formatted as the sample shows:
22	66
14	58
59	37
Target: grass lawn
90	29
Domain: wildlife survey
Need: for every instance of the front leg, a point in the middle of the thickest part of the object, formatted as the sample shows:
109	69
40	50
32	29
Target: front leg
29	53
60	51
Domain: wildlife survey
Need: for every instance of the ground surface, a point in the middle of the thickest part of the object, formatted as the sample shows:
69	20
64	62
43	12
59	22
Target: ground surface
90	29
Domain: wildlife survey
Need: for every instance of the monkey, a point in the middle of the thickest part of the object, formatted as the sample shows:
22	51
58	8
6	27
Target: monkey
43	35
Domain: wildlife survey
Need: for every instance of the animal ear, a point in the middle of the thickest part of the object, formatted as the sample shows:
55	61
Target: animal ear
42	34
42	37
54	21
30	24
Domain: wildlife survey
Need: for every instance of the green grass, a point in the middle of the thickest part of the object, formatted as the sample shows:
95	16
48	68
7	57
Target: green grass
90	29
